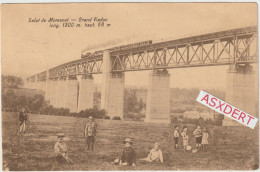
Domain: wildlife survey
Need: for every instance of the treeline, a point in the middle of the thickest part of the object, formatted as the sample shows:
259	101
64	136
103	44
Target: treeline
96	113
10	81
37	105
13	102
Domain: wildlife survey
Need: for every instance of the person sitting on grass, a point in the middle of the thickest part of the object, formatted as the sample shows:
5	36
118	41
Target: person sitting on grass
205	137
155	154
185	138
61	151
127	156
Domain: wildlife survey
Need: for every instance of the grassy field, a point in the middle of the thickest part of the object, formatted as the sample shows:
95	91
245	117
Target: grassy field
230	148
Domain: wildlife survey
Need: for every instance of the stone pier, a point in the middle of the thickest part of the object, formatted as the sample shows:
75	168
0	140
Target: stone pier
41	85
28	84
113	84
34	85
241	91
38	85
61	93
86	91
48	86
158	97
54	92
71	94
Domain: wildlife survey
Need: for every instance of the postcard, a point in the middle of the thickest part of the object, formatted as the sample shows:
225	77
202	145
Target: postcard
129	86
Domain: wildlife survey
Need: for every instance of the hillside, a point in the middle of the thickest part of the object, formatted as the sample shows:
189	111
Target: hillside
181	99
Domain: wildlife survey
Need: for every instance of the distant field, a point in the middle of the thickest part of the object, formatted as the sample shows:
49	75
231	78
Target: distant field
230	148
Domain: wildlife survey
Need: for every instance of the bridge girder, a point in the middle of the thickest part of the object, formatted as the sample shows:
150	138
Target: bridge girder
219	48
218	51
80	67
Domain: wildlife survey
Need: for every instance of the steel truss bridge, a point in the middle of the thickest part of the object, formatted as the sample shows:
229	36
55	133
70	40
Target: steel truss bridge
236	46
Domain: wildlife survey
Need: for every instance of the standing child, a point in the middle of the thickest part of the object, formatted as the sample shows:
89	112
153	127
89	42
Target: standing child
198	135
205	137
176	137
185	138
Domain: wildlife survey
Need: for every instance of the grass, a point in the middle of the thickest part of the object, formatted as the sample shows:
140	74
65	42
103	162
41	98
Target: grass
230	148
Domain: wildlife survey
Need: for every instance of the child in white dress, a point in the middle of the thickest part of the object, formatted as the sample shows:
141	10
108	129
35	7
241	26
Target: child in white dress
155	154
205	137
185	138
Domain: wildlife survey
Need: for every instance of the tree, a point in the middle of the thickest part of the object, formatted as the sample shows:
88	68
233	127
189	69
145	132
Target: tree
11	81
131	104
141	104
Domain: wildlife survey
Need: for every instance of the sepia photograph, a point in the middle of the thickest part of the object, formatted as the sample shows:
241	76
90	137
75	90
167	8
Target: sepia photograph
129	86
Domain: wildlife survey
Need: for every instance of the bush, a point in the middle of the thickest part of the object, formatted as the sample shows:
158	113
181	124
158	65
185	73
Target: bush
191	121
107	117
134	116
174	119
99	114
209	121
74	114
116	118
218	120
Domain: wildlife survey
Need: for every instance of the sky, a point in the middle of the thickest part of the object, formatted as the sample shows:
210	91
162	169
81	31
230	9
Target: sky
30	48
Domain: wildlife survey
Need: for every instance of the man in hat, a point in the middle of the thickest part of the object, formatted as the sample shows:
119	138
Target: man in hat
127	156
90	133
23	120
61	151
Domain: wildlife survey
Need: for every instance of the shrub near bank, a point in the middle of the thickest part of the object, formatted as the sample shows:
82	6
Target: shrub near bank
96	113
217	121
116	118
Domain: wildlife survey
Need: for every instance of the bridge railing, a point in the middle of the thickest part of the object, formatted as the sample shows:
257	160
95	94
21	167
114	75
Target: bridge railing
237	46
218	48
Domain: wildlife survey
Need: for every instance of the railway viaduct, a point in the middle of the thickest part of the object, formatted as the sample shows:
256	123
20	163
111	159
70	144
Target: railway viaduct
71	85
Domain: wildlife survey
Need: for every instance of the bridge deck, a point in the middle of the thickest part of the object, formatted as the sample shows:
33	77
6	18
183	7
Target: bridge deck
218	48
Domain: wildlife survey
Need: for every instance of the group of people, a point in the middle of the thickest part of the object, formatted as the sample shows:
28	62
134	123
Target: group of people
127	156
200	135
60	148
